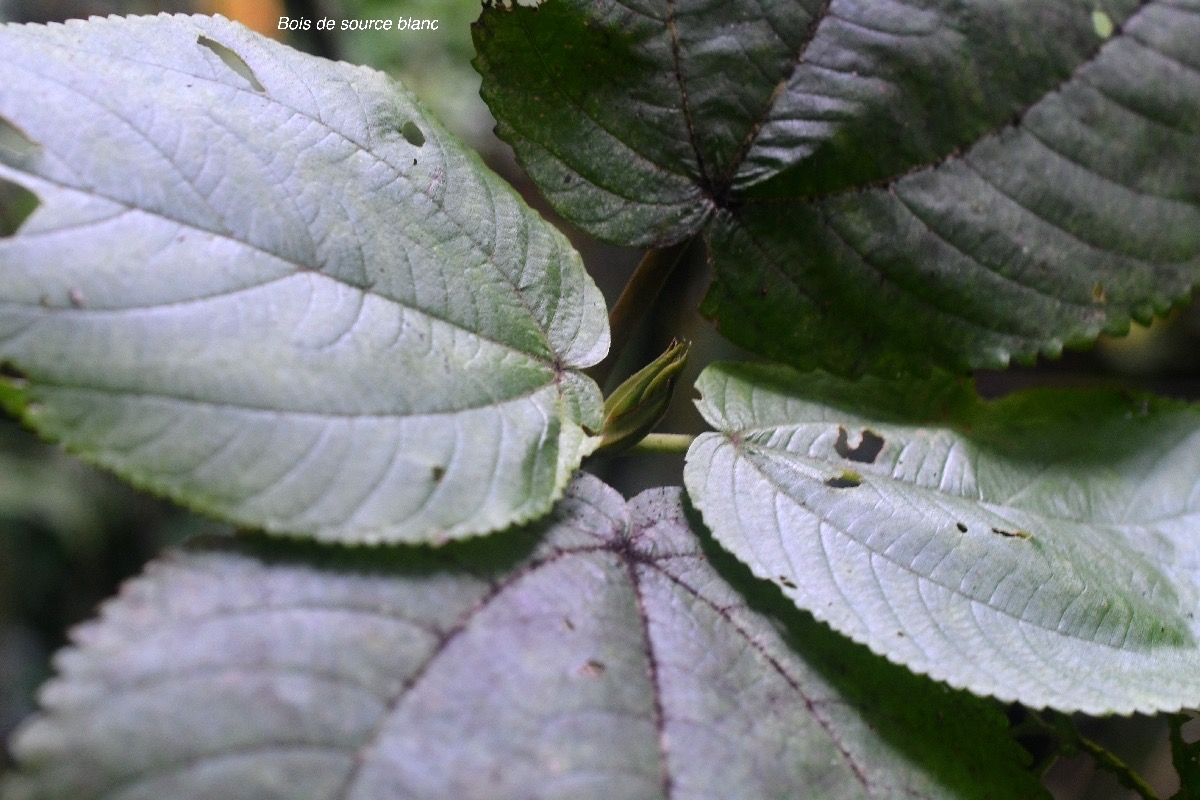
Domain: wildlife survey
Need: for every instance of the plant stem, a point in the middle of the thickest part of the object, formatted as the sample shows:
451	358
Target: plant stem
1109	762
636	300
663	443
1072	741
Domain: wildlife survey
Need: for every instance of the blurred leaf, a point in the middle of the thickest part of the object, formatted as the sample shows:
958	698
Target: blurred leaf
608	658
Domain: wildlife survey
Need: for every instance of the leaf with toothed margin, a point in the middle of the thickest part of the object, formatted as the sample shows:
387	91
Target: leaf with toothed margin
880	185
273	288
1039	548
596	654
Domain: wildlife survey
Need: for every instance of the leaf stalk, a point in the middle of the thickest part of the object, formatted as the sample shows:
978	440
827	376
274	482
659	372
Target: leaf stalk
664	443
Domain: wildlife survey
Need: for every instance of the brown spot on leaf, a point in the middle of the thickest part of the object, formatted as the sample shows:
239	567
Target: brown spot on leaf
1012	534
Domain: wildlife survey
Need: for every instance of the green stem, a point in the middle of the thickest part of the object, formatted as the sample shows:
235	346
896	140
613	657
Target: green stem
663	443
1072	741
636	300
1110	763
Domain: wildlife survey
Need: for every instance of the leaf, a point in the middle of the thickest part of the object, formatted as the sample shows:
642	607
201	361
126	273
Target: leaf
250	286
597	654
1038	548
880	185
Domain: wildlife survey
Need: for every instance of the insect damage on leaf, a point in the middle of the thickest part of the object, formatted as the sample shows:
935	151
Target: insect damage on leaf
870	444
12	373
15	146
412	134
847	480
17	204
232	60
1012	534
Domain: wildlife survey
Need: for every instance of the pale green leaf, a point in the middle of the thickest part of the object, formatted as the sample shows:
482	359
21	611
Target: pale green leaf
597	654
273	288
1040	548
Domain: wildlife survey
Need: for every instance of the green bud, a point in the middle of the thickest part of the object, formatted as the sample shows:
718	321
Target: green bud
637	405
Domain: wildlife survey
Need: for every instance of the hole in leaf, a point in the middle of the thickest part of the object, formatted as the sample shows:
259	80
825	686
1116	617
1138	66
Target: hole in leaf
592	669
16	204
232	60
412	134
1013	534
865	452
15	147
12	373
847	480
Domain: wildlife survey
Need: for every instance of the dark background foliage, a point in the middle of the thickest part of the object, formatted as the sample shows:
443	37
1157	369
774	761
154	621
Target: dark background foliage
70	534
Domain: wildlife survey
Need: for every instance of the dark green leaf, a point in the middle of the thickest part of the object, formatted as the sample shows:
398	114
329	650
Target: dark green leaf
1040	548
880	185
273	288
598	654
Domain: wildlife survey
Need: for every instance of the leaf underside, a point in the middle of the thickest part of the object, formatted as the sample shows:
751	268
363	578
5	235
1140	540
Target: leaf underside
596	654
273	288
1039	548
880	185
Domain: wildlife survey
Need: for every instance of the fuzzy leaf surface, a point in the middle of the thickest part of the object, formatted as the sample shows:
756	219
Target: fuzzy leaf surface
1039	548
274	289
881	185
595	654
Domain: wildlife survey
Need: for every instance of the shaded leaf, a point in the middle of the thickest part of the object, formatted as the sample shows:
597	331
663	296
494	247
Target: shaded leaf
880	185
1039	548
596	654
274	289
